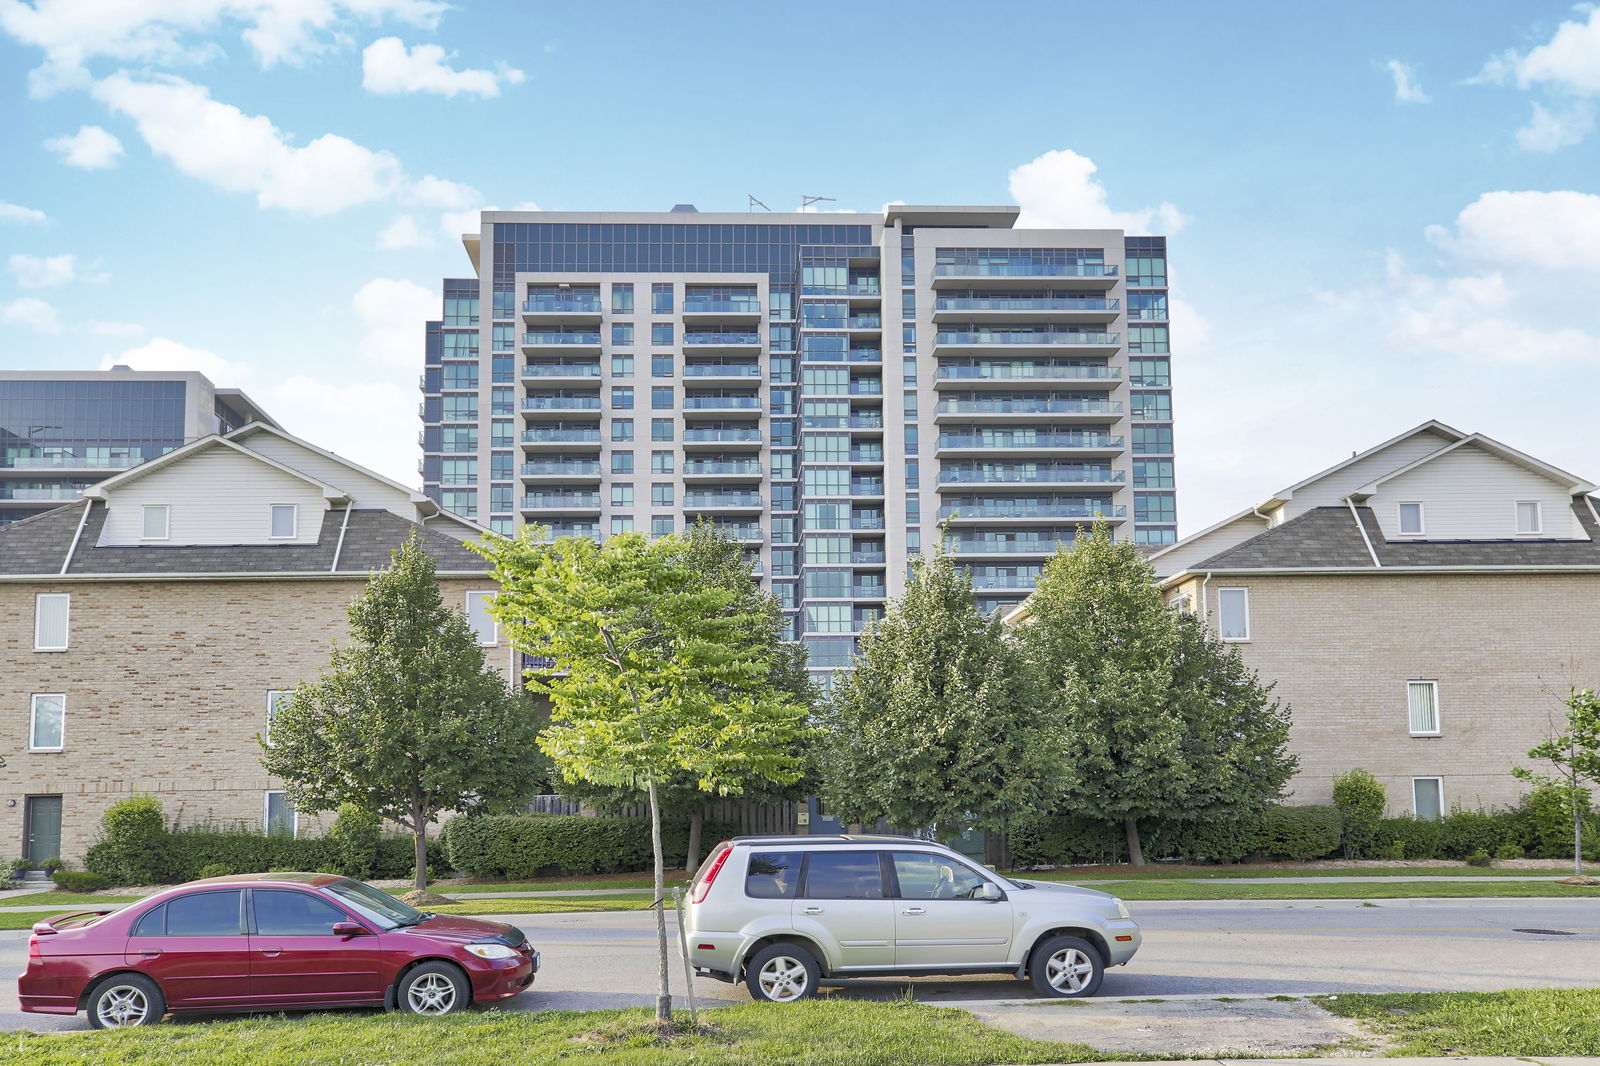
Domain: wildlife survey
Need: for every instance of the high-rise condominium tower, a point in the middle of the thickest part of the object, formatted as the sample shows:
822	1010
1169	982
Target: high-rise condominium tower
839	391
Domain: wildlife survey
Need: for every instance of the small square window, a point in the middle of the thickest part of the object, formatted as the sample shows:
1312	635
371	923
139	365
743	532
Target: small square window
1529	518
284	521
156	520
1422	705
1410	519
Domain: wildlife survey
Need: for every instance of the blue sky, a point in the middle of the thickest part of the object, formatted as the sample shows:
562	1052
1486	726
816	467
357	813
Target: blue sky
1380	213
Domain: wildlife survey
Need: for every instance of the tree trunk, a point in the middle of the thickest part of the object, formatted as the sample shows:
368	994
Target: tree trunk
1577	835
663	992
419	838
1135	852
697	822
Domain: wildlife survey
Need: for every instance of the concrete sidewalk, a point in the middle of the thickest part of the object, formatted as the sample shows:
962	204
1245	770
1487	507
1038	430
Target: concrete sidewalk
1462	1060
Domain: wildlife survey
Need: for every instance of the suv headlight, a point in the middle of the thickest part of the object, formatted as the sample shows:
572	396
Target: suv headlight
492	951
1122	908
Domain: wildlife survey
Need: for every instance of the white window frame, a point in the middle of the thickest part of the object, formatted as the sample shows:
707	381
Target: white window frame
33	719
1438	721
166	521
266	732
1442	807
1538	517
266	813
1400	521
294	521
38	602
466	608
1245	592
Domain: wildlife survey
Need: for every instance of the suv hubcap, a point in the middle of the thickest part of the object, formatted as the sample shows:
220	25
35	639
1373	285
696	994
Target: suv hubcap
1069	970
783	978
432	993
121	1006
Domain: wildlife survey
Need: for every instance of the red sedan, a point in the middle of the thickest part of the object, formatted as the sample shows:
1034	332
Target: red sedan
268	942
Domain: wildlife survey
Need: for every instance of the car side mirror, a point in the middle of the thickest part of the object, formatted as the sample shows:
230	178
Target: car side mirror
989	891
350	929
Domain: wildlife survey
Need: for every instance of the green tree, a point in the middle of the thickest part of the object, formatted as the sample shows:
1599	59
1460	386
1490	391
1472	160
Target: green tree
1162	719
937	724
1361	800
654	675
1575	756
407	721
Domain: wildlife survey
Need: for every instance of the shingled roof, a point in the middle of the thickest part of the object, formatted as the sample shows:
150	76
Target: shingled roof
37	546
1327	538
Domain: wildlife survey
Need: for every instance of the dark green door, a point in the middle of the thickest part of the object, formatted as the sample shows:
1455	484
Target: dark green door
42	827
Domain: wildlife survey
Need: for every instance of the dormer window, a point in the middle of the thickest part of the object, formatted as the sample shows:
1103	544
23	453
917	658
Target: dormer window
1411	519
156	517
284	521
1529	518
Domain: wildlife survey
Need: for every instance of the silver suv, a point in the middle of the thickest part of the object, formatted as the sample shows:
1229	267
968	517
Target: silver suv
785	913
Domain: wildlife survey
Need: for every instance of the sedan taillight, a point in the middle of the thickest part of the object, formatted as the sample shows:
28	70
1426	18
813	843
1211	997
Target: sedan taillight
33	948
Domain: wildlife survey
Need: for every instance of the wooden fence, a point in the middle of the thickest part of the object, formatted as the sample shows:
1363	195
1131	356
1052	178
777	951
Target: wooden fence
752	818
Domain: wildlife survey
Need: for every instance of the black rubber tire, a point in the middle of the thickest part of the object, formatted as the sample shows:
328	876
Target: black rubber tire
423	990
132	991
1051	956
782	985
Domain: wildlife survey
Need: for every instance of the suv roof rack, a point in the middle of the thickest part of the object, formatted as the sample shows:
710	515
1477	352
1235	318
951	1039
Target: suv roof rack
841	838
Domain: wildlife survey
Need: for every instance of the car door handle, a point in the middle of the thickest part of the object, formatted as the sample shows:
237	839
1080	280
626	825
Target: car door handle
812	910
271	953
151	954
914	910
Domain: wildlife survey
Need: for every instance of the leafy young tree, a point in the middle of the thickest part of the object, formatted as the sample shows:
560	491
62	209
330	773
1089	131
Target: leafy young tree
1162	719
407	721
1575	756
654	675
937	724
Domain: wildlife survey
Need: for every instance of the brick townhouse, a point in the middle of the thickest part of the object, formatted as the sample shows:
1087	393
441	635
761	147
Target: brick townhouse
1424	606
148	629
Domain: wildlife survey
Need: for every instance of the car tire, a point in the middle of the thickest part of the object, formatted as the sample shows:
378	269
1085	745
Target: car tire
125	1000
433	989
782	973
1066	967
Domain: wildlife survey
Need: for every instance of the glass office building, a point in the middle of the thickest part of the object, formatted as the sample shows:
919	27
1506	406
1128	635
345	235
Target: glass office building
62	431
837	391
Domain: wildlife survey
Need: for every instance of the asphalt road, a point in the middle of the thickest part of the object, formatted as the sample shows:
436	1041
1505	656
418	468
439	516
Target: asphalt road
1231	948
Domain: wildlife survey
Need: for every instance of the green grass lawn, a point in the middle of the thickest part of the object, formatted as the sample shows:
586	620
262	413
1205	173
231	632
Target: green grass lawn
1203	873
551	905
813	1033
1201	890
75	900
1532	1022
563	884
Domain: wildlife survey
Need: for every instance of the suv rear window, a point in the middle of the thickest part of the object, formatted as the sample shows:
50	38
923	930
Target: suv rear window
773	874
843	875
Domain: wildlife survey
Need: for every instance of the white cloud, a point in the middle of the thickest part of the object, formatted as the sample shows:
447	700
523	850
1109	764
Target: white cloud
455	223
1567	67
382	439
1058	190
91	148
18	213
1549	130
31	312
115	329
163	354
1552	231
393	311
388	66
39	272
160	32
220	144
1407	89
429	191
403	232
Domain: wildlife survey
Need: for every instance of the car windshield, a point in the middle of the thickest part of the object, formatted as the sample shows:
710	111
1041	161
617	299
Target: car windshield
376	906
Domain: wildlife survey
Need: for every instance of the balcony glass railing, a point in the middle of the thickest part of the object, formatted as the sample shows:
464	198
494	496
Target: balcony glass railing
69	462
559	436
535	501
1030	440
722	370
721	499
54	492
842	422
862	592
711	467
866	388
581	304
865	322
547	338
1026	372
1030	407
1048	475
1033	510
854	355
561	403
694	306
713	435
1064	337
1004	581
866	455
1016	303
567	468
569	529
692	339
867	557
561	370
721	403
739	532
1008	546
1024	270
1147	314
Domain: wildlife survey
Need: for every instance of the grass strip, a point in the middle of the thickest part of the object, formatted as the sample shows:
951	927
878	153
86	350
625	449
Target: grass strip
75	900
1191	873
813	1033
1532	1022
1201	890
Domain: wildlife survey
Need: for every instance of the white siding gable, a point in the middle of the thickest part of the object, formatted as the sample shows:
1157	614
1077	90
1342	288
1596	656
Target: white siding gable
1470	493
1330	491
214	496
1202	546
368	492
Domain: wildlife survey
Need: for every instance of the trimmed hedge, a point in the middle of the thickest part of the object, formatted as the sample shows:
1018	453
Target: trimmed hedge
1278	832
1302	833
527	845
81	881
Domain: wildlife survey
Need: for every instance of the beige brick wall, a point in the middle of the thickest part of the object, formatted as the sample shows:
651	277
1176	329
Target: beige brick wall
1504	649
166	685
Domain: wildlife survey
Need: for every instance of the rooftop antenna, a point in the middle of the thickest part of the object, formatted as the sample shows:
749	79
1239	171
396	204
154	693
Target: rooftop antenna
754	203
807	201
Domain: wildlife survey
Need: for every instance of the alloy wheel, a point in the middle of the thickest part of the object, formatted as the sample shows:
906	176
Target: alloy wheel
432	993
783	978
122	1006
1069	970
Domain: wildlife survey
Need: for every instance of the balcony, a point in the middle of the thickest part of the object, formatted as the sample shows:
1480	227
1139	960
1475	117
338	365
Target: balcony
853	355
1006	545
1026	407
558	436
722	501
572	529
722	403
741	468
953	479
985	340
700	436
553	373
985	582
69	462
562	502
1032	511
864	591
1025	274
709	310
1148	314
1028	443
722	370
842	422
867	456
1011	373
866	323
1026	308
561	341
562	468
866	388
534	406
745	533
868	558
575	309
715	341
49	494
